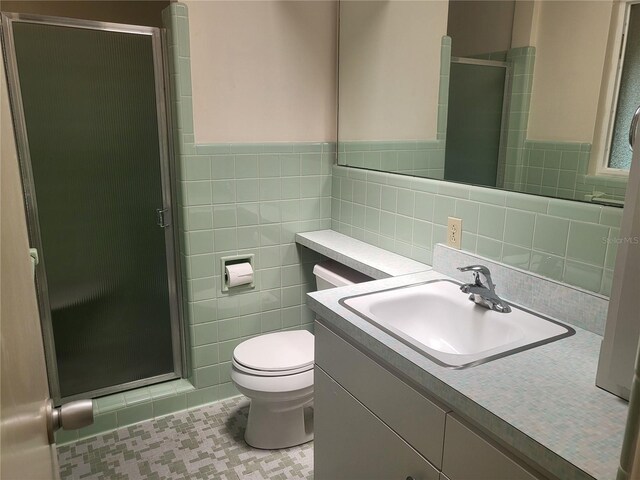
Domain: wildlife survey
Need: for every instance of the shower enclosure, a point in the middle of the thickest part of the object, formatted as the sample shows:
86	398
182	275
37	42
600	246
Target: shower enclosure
90	114
476	116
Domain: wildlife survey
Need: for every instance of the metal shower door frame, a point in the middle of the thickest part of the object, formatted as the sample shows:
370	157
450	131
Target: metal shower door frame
168	185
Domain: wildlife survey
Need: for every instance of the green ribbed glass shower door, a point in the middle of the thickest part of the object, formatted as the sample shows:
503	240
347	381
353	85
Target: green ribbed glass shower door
474	124
99	174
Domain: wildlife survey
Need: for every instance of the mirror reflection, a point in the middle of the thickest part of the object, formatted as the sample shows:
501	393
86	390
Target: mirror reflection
529	96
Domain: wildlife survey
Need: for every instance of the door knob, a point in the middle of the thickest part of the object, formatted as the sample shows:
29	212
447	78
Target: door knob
633	127
70	416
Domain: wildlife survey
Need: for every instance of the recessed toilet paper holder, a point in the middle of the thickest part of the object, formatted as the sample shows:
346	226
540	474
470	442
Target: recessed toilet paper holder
233	260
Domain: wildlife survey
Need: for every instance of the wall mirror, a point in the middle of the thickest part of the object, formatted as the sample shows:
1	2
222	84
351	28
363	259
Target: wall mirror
529	96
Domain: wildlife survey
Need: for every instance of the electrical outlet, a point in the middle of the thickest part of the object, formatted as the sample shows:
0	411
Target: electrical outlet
454	232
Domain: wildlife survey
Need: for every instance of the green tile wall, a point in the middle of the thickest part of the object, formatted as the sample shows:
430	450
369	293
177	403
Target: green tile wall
497	56
560	169
612	187
242	199
565	240
443	93
556	169
420	158
248	199
521	62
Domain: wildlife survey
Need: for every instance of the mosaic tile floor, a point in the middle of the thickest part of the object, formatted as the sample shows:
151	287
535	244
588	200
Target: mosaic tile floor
204	443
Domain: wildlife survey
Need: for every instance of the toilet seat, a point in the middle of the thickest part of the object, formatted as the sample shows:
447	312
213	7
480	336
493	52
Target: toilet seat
269	373
275	354
273	388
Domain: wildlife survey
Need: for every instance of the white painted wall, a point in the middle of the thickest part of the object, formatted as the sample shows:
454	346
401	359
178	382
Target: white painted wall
525	23
570	54
263	71
390	69
480	27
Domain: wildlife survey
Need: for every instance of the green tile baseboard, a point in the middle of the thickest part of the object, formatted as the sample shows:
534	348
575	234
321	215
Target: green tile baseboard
113	412
121	409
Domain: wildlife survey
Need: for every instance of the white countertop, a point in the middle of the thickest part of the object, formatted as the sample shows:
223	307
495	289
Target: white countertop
372	261
543	402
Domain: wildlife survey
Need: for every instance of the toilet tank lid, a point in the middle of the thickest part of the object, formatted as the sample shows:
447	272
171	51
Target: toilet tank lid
280	351
338	274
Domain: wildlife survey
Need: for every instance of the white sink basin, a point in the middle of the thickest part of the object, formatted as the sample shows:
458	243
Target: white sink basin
438	320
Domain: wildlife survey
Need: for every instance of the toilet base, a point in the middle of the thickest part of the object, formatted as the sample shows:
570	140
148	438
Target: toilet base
274	425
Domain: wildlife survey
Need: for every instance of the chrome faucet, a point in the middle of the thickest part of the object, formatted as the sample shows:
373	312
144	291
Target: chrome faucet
482	294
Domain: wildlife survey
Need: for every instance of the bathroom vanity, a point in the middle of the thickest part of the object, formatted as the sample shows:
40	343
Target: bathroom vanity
371	424
384	410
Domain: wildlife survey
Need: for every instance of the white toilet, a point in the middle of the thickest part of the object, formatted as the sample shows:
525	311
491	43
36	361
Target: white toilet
275	371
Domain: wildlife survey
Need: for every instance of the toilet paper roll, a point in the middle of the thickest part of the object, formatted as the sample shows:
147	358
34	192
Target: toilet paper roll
239	274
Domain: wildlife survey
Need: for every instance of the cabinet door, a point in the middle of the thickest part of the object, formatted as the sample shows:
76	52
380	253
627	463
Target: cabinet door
352	444
469	456
389	398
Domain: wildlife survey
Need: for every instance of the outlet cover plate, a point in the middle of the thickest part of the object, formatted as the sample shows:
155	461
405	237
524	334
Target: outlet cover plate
454	232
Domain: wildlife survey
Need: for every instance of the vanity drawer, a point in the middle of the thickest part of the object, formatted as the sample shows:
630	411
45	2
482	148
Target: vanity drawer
353	444
469	455
415	418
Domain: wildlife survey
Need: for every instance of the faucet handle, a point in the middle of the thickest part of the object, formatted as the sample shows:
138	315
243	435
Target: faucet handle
477	270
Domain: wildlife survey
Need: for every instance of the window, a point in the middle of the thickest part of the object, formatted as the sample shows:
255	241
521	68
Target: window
628	93
617	159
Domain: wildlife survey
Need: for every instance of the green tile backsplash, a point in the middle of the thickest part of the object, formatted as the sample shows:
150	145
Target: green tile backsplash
569	241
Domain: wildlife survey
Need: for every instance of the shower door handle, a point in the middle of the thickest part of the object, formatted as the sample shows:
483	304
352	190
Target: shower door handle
164	217
633	128
70	416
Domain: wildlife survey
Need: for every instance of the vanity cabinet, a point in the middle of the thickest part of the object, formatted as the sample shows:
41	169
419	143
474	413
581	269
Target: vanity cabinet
353	444
388	397
468	455
370	424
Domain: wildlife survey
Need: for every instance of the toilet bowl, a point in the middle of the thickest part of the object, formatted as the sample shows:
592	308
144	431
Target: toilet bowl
275	371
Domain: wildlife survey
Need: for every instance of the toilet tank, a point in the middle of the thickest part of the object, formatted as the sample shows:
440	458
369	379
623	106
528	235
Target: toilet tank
332	274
